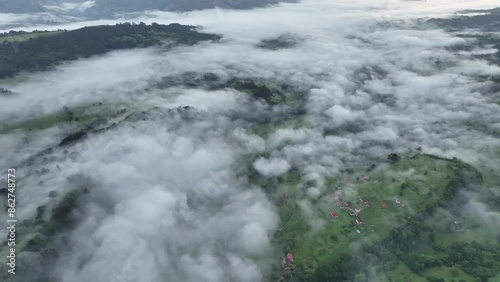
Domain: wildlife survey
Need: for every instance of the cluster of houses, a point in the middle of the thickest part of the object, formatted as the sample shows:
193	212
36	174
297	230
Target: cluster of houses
287	261
287	264
353	212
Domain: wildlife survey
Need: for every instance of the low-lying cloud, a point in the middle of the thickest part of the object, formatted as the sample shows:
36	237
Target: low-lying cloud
166	205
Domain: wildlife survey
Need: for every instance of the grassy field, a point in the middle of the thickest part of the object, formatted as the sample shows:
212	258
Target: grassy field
396	192
23	37
85	114
11	81
267	129
401	274
448	273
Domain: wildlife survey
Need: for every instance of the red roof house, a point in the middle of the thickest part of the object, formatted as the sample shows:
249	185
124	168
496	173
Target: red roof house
289	257
334	215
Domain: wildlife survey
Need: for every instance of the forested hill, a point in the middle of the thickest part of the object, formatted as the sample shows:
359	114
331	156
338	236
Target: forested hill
21	51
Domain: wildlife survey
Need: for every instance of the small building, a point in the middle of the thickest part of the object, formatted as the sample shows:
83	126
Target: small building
363	201
383	205
366	178
357	210
398	201
352	213
457	226
287	262
359	221
334	215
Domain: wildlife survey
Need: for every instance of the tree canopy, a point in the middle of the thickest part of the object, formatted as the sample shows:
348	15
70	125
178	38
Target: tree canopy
43	51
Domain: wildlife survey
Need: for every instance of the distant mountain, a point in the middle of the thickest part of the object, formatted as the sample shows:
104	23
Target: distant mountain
104	8
177	5
488	21
37	51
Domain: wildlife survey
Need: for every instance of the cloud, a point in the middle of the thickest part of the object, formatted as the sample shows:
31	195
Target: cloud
165	203
176	212
315	221
271	167
68	7
342	115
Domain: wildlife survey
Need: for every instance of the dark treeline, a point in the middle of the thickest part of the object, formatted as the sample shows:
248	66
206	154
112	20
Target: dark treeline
22	32
43	51
488	21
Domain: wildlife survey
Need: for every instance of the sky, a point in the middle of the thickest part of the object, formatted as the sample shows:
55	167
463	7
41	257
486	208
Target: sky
165	201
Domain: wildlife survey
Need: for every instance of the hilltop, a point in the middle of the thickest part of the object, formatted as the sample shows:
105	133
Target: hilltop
37	51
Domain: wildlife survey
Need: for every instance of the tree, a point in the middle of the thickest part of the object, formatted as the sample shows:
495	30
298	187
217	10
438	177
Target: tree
393	157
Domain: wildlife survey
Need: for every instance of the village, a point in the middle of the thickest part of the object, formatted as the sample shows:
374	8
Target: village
350	209
342	207
362	204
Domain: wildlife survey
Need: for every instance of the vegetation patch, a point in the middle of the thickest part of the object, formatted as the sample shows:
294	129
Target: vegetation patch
488	21
84	115
372	223
280	42
41	52
18	36
259	89
44	234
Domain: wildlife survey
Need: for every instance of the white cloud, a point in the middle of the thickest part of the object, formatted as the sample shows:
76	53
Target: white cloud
167	204
271	167
341	115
